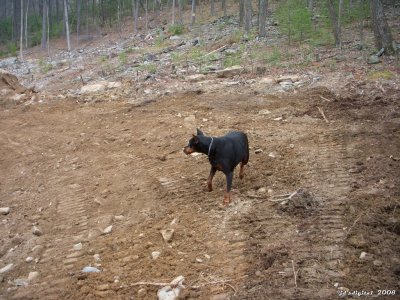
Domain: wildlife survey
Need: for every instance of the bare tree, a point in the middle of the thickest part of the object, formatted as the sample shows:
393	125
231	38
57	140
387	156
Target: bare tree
67	25
262	17
44	23
193	12
335	17
26	24
173	12
241	12
21	45
382	33
223	5
248	15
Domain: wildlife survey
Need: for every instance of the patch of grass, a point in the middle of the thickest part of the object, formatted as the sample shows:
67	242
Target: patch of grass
233	59
123	58
45	66
176	29
376	75
12	48
149	67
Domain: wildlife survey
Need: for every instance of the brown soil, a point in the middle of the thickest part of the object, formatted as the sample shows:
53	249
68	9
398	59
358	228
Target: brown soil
74	169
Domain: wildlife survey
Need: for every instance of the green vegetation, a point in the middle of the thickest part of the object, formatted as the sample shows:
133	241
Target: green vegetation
376	75
176	29
123	58
45	66
149	67
294	19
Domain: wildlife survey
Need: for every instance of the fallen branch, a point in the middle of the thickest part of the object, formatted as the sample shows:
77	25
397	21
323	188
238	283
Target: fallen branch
294	273
284	197
216	50
149	283
326	99
322	113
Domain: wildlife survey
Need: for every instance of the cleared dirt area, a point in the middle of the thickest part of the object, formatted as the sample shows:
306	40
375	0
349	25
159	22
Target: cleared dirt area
73	169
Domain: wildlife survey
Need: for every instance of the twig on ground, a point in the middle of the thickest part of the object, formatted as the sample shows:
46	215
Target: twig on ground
284	197
322	113
294	274
326	99
149	283
216	50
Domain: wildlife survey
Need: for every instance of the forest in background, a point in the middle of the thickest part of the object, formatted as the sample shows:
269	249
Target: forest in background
27	23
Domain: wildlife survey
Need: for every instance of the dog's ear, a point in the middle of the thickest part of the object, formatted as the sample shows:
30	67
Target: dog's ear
199	132
196	139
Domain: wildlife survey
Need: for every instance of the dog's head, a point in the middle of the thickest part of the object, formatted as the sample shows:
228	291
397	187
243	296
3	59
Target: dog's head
194	143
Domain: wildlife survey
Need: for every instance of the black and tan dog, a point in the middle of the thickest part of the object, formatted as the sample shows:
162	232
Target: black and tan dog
224	154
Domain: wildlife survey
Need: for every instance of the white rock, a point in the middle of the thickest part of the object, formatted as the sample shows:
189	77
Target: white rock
264	112
155	254
36	231
29	259
257	151
78	247
262	190
4	210
21	282
97	257
94	88
90	270
272	155
171	292
7	268
108	230
363	255
119	218
33	276
167	234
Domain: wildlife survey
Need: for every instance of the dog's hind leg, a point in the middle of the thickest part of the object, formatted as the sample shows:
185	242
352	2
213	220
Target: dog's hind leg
227	196
210	178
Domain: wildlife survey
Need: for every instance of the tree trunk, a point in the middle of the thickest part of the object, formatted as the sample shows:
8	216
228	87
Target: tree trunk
223	4
334	16
248	15
173	12
147	17
262	18
78	19
382	33
193	12
241	12
212	8
44	22
67	25
26	24
21	38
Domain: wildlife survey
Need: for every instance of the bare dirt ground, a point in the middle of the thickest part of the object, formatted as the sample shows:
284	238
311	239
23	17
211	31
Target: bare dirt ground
74	169
73	164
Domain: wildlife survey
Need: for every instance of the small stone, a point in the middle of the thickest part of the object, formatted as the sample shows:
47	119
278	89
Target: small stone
155	254
262	190
29	259
257	151
21	282
363	255
103	287
207	256
97	257
373	59
36	231
90	270
33	275
199	260
167	234
4	210
377	263
78	247
7	268
258	273
272	155
108	230
142	293
119	218
264	112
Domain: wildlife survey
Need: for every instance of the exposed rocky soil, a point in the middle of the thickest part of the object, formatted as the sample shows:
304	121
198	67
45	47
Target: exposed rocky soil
91	178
